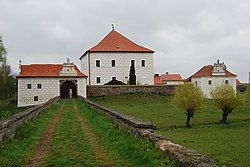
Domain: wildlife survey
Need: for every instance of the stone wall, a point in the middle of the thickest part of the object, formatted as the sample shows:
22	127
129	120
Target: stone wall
8	126
182	156
108	90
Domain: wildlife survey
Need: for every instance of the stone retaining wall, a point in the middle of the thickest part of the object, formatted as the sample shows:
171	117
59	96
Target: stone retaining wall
108	90
182	156
8	126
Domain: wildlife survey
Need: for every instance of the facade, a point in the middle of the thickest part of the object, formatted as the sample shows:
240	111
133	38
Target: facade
211	76
38	83
168	79
111	59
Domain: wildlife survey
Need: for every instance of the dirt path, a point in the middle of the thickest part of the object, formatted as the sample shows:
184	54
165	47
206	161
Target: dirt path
102	156
41	151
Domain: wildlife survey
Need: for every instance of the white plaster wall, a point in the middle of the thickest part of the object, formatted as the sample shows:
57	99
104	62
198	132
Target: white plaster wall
202	82
85	66
50	89
144	75
175	82
81	86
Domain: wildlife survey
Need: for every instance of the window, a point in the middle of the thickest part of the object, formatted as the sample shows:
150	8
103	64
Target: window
143	63
39	86
209	82
98	79
196	83
226	82
97	63
113	78
28	86
132	62
113	63
35	98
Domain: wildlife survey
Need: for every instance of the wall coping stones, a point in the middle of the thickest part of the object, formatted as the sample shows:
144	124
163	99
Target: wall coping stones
182	156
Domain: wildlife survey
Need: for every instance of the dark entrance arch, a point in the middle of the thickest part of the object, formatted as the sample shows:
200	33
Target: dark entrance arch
65	89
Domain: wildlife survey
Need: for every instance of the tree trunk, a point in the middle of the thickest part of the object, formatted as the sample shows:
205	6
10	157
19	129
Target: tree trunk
225	114
189	116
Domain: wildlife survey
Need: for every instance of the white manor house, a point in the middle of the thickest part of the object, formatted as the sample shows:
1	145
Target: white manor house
111	59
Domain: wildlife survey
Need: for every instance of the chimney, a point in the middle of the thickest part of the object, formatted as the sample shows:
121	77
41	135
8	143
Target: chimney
166	72
20	65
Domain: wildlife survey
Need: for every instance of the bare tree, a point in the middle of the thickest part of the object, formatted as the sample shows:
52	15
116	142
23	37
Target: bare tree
189	98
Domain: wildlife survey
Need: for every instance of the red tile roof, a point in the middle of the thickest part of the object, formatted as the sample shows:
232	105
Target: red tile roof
116	42
207	72
44	70
171	77
157	80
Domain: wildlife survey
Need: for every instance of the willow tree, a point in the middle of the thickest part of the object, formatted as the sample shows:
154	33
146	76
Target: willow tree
7	80
226	99
189	98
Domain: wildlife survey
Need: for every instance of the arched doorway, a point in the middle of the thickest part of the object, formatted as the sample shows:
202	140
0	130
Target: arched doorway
68	89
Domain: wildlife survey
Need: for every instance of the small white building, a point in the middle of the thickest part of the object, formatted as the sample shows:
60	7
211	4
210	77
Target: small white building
112	57
38	83
211	76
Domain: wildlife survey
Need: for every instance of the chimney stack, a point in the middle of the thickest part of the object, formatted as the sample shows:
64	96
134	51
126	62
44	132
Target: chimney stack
20	65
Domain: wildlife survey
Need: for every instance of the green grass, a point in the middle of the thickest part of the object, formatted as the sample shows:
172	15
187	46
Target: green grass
70	146
14	151
228	144
7	109
129	150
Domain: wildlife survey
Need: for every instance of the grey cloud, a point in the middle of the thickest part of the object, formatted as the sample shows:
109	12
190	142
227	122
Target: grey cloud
185	34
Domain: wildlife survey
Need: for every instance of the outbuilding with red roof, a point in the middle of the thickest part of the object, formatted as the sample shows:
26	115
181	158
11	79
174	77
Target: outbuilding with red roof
211	76
38	83
168	79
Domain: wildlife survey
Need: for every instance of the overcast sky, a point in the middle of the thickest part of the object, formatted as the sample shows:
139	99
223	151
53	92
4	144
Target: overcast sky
185	34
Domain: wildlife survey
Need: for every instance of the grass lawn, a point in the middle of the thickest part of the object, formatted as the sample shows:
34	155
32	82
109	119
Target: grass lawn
7	109
228	144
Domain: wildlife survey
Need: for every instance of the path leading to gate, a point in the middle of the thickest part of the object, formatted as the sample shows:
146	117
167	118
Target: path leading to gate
45	145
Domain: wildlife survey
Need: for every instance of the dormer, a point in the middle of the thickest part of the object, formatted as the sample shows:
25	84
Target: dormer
219	68
68	69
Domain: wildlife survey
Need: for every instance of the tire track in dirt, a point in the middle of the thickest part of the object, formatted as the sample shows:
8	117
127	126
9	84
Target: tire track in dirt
42	149
102	156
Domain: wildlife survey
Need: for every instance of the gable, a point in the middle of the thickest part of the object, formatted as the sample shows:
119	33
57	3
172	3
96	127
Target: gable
116	42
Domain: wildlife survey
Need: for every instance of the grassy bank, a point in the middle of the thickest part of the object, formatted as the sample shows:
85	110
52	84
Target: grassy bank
7	109
228	144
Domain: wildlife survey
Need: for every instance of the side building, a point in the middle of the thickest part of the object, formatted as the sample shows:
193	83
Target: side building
38	83
111	59
211	76
168	79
